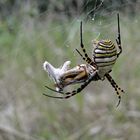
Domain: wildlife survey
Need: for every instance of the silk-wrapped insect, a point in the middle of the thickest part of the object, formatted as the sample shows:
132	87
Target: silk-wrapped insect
64	75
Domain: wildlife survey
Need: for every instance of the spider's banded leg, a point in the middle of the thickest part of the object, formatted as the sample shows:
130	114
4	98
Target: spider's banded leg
74	92
54	90
115	86
115	83
88	60
118	94
118	40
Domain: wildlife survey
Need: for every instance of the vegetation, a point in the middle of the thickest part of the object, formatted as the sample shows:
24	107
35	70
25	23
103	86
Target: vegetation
28	37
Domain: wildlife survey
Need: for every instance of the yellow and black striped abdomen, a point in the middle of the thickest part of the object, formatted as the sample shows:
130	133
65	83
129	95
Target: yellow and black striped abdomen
104	55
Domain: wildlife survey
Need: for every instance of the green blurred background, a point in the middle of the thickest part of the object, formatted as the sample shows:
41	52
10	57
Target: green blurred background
32	31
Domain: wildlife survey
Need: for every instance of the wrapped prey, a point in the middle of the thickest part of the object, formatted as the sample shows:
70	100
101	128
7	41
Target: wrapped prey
64	75
56	73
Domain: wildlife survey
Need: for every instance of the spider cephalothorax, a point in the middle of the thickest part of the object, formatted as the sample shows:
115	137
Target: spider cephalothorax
105	55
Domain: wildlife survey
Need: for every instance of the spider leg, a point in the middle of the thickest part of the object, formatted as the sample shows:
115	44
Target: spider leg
89	60
81	55
74	92
61	92
86	58
115	86
118	40
53	96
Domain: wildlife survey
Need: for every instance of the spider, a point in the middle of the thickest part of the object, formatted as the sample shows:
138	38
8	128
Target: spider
105	55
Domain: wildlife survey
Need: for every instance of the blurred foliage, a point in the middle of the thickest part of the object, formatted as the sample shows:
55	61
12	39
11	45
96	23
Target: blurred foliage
67	8
32	31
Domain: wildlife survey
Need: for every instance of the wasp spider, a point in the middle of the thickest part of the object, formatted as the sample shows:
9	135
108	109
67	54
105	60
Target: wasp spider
105	55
